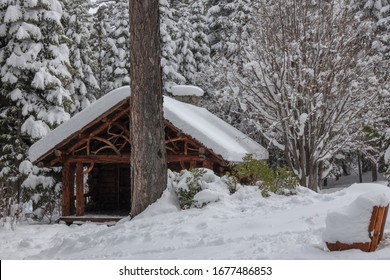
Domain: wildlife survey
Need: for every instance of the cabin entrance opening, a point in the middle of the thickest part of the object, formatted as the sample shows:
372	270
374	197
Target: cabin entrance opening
108	190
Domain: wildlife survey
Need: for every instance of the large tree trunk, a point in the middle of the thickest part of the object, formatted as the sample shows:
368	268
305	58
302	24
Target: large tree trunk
148	155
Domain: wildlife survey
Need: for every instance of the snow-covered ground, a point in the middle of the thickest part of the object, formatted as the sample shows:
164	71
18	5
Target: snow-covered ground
243	225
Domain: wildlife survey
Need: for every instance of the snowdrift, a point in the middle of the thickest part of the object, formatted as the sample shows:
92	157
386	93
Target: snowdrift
243	225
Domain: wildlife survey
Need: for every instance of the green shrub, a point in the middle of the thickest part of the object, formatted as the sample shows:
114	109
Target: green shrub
285	178
186	195
231	181
255	172
252	171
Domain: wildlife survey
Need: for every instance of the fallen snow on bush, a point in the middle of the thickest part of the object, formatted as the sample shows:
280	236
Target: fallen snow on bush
243	225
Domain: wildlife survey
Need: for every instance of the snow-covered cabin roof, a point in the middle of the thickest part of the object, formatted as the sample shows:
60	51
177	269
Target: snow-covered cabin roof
197	122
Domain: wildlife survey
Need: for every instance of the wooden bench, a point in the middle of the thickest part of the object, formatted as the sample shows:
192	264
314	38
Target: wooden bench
375	232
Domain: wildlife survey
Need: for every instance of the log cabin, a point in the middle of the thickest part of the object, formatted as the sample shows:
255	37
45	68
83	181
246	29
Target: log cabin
93	148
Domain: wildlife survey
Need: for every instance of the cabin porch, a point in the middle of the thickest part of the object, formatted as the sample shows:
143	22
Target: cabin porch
95	189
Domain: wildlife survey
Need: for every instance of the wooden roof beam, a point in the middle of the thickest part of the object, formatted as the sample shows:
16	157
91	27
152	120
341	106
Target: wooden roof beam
96	131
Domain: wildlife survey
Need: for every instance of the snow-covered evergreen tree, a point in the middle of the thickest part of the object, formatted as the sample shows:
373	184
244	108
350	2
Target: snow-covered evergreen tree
78	22
374	18
230	27
99	44
35	73
168	47
118	55
110	43
201	49
110	39
193	51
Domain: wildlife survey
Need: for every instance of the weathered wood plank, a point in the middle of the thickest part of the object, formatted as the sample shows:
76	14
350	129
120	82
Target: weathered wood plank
377	228
338	246
383	222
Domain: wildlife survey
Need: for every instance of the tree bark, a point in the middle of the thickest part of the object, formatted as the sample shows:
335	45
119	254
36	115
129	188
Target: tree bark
148	155
313	177
374	171
360	168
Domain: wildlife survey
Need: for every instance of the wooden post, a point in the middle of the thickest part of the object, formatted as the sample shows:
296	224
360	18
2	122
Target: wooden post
66	183
72	206
79	190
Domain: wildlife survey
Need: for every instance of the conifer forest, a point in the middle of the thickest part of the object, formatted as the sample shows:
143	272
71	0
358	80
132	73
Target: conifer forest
307	79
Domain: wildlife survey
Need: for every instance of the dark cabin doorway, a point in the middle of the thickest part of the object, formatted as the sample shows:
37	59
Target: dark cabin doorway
109	190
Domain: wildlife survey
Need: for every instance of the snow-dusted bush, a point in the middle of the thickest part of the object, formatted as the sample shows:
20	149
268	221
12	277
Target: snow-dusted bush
197	187
255	172
231	181
187	192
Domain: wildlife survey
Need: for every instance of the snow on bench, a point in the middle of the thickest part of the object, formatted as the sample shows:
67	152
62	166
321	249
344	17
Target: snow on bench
359	225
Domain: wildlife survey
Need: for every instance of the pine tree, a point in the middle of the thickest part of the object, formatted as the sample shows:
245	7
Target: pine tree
185	45
201	49
374	18
230	27
193	50
35	71
168	34
78	22
118	55
99	44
